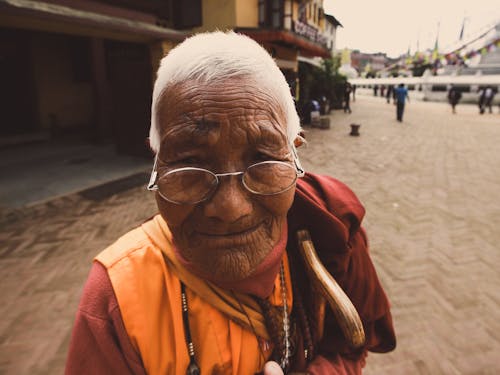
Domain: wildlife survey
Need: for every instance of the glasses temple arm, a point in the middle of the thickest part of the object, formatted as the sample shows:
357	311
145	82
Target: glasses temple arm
154	174
300	171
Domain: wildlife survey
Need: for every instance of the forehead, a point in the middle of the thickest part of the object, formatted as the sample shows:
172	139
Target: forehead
196	113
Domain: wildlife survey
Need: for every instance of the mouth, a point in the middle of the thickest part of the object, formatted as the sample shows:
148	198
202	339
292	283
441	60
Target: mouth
232	233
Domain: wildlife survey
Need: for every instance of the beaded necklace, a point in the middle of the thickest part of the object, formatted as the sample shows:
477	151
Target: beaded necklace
194	368
285	358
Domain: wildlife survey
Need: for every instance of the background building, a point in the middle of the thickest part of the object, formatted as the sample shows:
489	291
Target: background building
331	32
83	68
369	63
286	28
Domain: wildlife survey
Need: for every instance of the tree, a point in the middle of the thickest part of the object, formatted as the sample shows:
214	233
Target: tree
316	82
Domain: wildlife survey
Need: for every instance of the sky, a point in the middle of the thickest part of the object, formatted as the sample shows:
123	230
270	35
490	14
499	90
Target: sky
392	26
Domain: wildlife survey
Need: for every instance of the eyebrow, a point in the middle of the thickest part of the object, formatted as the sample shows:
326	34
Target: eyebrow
186	135
202	124
191	132
269	135
194	132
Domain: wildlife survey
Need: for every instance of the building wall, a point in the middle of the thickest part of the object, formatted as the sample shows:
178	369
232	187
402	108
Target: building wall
313	15
64	100
331	35
247	13
17	98
218	14
295	10
82	75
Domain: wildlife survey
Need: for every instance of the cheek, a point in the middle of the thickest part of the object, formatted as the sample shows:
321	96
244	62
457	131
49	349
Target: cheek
175	215
278	205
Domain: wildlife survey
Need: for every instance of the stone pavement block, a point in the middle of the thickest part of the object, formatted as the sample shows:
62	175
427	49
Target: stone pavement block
430	187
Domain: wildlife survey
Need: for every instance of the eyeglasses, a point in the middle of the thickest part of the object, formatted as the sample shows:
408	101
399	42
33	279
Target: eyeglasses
190	185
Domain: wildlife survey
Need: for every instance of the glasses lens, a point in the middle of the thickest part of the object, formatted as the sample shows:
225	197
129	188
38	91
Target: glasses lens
186	185
269	177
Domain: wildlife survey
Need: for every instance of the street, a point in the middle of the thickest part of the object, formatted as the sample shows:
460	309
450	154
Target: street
430	186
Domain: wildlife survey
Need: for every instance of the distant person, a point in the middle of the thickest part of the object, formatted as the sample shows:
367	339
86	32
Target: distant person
487	101
389	93
375	90
401	94
454	96
382	90
481	99
347	97
353	93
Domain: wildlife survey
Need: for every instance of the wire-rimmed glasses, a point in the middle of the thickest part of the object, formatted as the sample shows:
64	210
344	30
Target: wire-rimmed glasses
191	185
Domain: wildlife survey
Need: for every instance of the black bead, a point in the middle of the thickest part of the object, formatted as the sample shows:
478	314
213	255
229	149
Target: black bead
193	369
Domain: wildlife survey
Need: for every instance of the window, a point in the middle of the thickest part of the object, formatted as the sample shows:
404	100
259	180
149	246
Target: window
271	13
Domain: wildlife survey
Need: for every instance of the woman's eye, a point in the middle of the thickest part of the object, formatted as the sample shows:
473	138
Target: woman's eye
260	156
189	160
184	161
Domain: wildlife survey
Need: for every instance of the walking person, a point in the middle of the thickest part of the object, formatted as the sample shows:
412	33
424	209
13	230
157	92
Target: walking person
347	97
389	93
454	96
401	93
481	93
489	94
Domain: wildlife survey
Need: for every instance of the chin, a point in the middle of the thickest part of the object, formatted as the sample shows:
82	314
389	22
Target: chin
237	263
227	258
228	263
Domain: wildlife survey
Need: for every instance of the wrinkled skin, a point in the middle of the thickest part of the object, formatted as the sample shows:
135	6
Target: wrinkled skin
223	127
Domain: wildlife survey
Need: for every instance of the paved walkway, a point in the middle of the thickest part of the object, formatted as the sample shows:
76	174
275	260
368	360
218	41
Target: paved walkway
37	172
431	188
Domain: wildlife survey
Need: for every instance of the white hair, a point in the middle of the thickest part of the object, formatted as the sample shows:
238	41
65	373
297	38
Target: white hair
211	57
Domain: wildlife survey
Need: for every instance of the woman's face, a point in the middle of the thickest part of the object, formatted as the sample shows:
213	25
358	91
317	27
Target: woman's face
223	127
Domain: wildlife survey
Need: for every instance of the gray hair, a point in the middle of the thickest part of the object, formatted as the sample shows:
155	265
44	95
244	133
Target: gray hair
211	57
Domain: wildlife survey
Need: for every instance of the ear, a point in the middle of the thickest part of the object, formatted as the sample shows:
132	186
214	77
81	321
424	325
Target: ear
299	140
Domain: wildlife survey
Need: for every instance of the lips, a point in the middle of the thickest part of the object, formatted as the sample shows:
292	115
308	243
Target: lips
230	233
233	239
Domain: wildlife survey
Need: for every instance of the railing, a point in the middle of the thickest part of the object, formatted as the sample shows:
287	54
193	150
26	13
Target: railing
432	88
480	80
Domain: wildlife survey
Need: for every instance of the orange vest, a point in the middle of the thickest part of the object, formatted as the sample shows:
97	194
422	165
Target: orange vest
149	296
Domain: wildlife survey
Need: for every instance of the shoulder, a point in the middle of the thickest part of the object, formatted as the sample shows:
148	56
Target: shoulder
135	259
327	207
98	299
329	193
125	247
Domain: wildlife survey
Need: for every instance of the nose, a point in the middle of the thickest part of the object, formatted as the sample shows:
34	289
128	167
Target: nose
230	202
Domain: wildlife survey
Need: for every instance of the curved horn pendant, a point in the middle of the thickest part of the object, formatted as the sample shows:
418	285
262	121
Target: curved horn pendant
345	312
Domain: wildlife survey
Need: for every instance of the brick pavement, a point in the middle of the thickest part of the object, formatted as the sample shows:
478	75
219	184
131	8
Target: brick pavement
430	186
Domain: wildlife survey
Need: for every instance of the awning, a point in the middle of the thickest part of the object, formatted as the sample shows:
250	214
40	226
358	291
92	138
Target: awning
286	64
288	38
310	61
50	16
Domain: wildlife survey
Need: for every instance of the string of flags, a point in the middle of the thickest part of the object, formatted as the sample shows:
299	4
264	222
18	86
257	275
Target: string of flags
457	57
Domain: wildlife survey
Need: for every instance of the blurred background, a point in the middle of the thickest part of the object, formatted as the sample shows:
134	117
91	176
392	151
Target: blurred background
83	69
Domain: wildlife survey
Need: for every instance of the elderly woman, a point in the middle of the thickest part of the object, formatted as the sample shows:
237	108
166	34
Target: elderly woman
216	283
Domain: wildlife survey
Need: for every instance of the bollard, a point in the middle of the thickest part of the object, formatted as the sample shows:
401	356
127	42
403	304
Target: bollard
323	123
354	130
